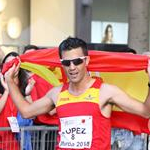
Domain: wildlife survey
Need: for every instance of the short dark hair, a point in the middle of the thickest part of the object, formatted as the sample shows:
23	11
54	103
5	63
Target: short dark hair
28	47
71	43
130	50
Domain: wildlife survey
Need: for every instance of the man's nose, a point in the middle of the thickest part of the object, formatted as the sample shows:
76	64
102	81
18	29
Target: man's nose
72	66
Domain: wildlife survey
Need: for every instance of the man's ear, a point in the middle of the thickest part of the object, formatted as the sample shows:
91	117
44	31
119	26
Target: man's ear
87	60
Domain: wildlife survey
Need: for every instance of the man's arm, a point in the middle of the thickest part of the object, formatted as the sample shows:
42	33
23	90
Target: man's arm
111	94
26	109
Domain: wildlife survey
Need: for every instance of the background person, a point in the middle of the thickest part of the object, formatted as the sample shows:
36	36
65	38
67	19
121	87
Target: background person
8	109
108	34
41	87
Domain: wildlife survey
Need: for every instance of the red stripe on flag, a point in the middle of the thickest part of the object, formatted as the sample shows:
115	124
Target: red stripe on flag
129	121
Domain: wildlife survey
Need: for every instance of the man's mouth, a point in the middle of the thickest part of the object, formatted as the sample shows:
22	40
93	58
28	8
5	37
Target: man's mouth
73	74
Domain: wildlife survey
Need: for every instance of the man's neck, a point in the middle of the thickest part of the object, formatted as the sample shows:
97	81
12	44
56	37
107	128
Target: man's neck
81	87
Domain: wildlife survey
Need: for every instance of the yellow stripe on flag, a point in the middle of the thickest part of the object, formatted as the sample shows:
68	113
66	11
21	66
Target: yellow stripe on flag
42	71
133	83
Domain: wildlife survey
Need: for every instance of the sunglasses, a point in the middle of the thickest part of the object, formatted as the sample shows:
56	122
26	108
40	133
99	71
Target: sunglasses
76	61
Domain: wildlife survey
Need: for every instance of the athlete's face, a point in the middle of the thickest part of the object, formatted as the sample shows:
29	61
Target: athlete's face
74	63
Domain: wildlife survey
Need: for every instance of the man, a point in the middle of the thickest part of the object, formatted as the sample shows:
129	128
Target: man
83	105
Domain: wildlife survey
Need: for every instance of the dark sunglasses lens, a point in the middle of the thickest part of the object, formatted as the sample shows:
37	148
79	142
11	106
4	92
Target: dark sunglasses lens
66	62
77	61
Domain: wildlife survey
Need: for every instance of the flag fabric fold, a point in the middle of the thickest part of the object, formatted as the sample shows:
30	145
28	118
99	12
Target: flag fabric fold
99	60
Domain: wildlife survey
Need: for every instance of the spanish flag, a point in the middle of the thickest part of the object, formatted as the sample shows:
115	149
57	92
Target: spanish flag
127	71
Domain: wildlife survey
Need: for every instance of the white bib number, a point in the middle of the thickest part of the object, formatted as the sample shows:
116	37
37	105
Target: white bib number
76	132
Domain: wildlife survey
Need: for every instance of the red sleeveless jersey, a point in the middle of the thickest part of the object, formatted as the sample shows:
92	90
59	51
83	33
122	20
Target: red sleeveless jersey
81	124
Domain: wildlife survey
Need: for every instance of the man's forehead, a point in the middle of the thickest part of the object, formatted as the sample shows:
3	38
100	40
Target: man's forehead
73	53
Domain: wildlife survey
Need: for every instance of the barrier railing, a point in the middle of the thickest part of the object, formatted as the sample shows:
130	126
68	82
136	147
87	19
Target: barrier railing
41	138
30	138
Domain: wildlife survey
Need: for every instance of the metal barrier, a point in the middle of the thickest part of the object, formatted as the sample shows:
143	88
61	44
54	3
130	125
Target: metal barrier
138	142
39	138
31	138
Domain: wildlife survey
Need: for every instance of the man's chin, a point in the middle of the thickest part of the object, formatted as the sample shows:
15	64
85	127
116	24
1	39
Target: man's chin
74	80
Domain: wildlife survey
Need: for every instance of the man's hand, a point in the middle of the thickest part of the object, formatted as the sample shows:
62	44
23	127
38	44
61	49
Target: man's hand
12	72
9	64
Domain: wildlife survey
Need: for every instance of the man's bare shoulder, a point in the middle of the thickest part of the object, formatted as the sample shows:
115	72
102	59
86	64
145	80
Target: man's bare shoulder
107	91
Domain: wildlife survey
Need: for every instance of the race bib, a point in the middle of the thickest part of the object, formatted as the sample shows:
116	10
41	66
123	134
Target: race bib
76	132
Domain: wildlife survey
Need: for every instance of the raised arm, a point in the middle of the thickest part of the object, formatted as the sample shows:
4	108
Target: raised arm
111	94
26	109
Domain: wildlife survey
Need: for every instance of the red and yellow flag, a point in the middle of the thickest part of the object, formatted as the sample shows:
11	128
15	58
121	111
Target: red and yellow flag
125	70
